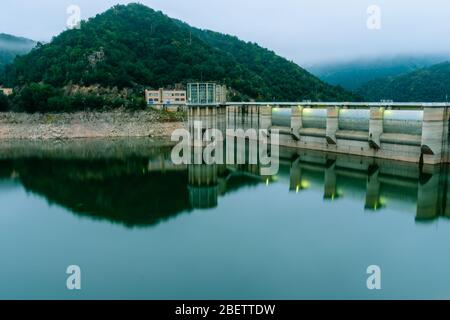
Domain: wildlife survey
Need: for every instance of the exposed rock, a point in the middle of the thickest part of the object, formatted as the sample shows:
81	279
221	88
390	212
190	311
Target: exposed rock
88	125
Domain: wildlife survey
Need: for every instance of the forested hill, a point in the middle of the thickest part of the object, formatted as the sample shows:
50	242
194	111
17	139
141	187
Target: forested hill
430	84
133	45
352	75
11	46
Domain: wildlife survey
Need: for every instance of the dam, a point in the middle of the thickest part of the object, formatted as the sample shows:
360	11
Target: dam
410	132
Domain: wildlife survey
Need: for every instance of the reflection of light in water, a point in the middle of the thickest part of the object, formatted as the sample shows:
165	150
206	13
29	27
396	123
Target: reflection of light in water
271	179
380	204
305	184
302	186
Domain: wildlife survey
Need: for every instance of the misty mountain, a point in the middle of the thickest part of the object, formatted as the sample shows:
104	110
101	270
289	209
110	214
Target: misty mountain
431	84
11	46
354	74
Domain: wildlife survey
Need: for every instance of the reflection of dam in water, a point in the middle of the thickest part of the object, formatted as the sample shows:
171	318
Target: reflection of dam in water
208	182
140	186
378	184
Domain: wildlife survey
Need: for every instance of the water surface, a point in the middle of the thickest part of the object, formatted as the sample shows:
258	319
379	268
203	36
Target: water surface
142	228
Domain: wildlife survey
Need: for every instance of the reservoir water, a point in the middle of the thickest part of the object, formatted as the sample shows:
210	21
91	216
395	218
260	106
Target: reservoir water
141	228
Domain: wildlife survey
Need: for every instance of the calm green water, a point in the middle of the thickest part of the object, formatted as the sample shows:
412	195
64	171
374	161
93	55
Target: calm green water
141	228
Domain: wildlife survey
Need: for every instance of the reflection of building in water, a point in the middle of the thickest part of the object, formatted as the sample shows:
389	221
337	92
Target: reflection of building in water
208	182
203	186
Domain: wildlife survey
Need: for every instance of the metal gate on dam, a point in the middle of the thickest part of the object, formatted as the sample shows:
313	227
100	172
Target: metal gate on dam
411	132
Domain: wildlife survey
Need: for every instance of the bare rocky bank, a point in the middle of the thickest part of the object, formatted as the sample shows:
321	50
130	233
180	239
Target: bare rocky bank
149	123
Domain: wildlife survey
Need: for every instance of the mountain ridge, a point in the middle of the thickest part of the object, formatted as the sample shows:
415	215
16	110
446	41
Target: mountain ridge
353	74
430	84
133	45
12	46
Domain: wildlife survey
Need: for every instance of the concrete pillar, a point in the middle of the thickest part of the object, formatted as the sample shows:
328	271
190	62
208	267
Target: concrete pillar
189	117
375	127
446	149
231	119
239	118
373	191
296	121
242	152
248	119
445	190
220	121
255	117
246	116
295	177
194	119
199	126
433	133
202	118
209	118
332	124
230	153
330	192
429	197
265	117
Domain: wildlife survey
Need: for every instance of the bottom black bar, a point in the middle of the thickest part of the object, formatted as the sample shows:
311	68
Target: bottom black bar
222	309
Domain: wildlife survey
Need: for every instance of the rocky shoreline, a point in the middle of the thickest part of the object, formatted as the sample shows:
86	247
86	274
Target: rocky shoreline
148	123
84	148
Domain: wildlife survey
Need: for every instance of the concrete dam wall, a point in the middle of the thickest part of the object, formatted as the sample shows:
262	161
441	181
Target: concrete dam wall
412	132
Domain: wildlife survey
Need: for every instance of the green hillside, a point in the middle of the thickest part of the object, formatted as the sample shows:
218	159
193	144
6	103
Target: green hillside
133	46
430	84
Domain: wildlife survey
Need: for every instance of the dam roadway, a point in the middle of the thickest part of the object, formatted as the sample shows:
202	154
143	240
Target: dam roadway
411	132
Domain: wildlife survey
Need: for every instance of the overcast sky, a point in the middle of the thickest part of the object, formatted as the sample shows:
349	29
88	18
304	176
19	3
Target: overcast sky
306	31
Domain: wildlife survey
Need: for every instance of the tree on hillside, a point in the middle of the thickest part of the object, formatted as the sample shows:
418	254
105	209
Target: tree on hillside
4	102
133	45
